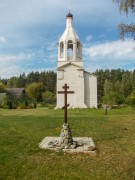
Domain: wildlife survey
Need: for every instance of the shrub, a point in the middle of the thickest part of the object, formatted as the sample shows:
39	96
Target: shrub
22	106
10	105
26	103
132	101
35	105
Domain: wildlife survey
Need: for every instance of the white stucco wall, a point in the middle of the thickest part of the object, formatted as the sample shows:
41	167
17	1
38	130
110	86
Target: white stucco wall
74	78
90	90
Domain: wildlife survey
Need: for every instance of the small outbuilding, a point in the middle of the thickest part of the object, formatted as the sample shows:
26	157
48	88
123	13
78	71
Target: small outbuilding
16	92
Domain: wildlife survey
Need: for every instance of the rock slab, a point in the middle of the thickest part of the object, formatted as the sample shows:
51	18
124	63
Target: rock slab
86	145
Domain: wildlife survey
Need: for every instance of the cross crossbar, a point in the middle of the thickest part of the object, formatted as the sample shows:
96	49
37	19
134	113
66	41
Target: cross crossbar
68	92
65	92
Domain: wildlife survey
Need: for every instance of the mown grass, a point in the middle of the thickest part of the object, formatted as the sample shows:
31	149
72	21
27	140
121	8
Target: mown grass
22	130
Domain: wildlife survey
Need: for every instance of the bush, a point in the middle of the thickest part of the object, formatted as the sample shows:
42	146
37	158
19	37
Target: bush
10	106
132	101
5	107
26	103
113	98
35	105
25	106
30	107
22	106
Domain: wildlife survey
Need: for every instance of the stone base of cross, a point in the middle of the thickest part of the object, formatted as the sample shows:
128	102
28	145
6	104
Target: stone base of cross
66	140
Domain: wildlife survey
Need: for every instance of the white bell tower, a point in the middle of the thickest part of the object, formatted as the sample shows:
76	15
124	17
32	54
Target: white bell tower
70	71
69	46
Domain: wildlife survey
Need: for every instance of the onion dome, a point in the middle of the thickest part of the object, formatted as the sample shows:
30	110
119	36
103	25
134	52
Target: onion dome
69	15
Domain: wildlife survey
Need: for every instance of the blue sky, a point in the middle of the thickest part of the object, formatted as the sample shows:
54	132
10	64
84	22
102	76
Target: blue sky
30	30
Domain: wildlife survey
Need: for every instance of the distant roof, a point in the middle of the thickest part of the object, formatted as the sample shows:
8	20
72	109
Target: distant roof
16	90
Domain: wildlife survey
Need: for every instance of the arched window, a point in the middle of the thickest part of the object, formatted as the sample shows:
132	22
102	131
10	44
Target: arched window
70	49
78	49
61	49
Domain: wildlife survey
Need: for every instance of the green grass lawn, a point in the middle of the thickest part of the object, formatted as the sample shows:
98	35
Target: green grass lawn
22	130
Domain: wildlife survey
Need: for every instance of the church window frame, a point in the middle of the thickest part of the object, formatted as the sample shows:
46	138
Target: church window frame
61	49
78	49
70	49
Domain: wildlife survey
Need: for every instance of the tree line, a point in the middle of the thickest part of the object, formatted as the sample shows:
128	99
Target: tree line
47	78
39	87
114	86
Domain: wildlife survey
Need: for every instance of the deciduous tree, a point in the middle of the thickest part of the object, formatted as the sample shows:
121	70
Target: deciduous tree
113	98
107	87
126	29
2	87
47	95
35	90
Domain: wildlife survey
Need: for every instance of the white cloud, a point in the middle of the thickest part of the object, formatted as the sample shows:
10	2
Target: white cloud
111	50
52	46
2	40
10	65
15	64
89	37
110	55
12	12
9	71
10	59
32	26
102	35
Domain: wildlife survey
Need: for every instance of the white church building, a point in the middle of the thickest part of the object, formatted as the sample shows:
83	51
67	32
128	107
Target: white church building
70	71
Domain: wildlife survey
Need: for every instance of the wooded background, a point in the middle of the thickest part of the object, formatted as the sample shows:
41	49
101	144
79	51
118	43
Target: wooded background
114	86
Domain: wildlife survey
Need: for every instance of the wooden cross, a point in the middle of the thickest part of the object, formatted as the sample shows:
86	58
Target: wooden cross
65	92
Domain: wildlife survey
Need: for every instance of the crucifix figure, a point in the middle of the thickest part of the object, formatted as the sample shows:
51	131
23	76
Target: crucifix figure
65	92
